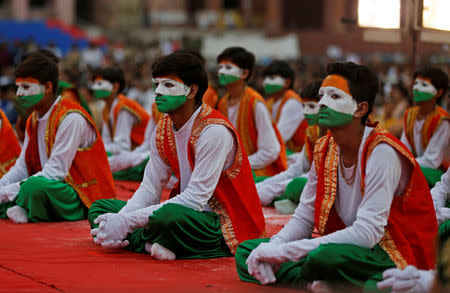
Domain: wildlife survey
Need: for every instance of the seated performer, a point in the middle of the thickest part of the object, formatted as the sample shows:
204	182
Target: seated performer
287	186
441	199
124	120
216	206
365	194
9	145
285	104
426	130
130	165
245	108
62	167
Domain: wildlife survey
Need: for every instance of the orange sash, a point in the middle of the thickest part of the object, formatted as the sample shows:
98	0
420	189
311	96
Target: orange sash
9	145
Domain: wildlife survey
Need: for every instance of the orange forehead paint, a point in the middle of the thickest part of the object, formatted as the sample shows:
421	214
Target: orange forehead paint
226	61
423	78
172	77
27	79
98	78
337	81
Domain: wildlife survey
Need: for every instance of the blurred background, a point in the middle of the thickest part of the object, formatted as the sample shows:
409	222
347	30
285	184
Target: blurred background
394	37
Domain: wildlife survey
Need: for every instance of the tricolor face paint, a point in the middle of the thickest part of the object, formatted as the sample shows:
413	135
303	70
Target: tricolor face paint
337	104
311	111
423	89
229	72
171	93
102	88
29	92
273	84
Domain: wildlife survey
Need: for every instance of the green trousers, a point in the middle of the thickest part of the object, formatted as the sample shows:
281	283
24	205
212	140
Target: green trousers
432	175
186	232
135	173
47	200
341	264
293	189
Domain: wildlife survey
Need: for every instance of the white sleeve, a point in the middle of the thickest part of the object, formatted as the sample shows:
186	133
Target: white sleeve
435	151
441	191
405	140
383	171
74	132
301	225
122	133
213	147
276	185
290	118
156	176
19	171
268	145
126	159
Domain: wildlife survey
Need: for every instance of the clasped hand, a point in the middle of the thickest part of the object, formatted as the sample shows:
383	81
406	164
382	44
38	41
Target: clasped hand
112	230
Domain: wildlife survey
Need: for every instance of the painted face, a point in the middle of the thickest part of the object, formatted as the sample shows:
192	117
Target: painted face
229	72
311	111
423	89
29	92
171	93
102	88
337	105
273	84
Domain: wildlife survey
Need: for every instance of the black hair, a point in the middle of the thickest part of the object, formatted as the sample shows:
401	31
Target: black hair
438	78
239	56
193	52
362	82
185	66
280	68
112	75
40	66
311	91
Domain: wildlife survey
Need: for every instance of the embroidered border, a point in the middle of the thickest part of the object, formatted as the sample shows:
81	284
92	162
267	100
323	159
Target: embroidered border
388	245
225	224
6	164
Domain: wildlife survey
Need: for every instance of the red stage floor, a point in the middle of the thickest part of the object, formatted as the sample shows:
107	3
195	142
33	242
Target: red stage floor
52	257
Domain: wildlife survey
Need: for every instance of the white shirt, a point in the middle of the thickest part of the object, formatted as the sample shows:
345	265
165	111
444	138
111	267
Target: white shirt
127	159
441	194
215	152
268	145
276	185
433	155
290	117
73	132
387	175
122	134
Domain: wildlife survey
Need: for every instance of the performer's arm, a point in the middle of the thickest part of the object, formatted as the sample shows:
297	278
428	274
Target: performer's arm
435	151
268	145
290	118
122	133
19	171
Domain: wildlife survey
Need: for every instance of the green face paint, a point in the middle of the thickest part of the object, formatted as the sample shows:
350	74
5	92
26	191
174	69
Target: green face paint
422	96
312	119
101	94
167	104
330	118
272	88
26	102
225	79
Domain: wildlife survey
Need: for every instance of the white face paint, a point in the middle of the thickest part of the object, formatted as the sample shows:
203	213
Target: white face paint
337	100
230	69
274	80
103	85
424	86
310	108
29	89
170	87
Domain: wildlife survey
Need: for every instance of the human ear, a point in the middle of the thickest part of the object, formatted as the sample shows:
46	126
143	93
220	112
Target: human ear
361	110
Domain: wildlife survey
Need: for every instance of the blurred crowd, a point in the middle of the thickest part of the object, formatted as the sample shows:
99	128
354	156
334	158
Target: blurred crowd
135	60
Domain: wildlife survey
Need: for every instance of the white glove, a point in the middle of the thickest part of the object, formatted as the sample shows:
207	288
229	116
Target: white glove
264	273
442	215
409	280
265	196
9	192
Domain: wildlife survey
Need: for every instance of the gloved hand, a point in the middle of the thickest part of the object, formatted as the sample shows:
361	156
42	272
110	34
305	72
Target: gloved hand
409	280
112	229
264	273
442	215
9	192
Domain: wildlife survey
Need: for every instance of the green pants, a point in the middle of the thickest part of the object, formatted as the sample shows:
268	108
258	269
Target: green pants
294	189
432	175
47	200
135	173
186	232
339	263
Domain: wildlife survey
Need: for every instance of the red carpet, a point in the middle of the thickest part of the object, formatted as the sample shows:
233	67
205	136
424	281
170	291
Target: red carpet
52	257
